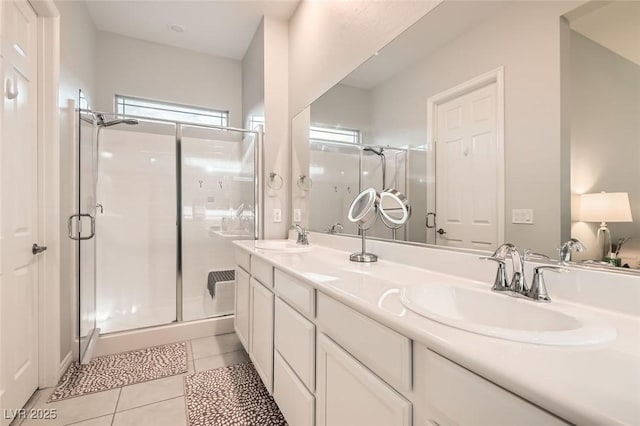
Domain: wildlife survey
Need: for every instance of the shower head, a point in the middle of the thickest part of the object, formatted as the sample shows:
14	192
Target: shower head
102	123
379	151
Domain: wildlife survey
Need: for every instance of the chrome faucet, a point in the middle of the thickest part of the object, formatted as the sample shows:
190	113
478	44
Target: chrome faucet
518	284
335	228
302	235
567	249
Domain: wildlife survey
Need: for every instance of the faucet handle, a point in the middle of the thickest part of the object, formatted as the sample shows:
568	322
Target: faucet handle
538	290
500	283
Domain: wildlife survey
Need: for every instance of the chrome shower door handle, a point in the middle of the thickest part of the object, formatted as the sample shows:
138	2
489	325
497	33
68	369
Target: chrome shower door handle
78	220
432	215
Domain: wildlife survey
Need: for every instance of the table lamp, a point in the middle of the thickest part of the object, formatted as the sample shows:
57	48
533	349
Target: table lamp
605	207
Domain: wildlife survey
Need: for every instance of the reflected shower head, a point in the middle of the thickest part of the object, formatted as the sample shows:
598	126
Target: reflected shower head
379	151
102	123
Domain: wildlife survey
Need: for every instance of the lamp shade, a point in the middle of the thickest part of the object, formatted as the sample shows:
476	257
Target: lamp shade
605	207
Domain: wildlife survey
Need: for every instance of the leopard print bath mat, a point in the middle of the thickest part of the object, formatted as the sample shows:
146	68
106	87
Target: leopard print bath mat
233	396
113	371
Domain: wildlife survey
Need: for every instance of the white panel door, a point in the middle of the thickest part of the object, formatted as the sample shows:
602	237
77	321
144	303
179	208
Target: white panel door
348	394
261	330
19	291
467	170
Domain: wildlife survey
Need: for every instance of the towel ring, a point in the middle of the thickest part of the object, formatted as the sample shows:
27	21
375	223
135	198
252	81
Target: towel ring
305	182
275	181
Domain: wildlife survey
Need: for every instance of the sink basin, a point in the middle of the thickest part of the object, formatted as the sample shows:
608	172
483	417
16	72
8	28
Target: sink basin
482	311
285	246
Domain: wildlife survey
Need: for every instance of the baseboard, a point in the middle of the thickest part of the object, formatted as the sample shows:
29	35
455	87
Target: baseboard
66	362
152	336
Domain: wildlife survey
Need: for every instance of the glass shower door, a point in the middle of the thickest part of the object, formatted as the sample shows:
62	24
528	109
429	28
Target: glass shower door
136	225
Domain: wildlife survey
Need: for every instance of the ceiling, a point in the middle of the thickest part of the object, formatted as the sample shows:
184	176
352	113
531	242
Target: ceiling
614	25
216	27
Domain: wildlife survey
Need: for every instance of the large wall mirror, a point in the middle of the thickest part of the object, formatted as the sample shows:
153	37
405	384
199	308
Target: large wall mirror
494	118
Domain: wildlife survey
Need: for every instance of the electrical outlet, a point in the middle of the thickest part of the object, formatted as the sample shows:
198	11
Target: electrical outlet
297	215
522	216
277	215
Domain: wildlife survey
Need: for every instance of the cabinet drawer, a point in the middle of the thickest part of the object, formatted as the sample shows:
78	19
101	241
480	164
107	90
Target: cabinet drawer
295	401
449	394
298	294
385	352
262	271
295	340
243	259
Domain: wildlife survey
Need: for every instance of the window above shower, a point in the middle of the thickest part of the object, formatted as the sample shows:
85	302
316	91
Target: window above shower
128	105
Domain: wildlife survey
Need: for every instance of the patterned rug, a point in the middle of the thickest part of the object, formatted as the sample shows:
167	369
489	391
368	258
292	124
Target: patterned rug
232	395
113	371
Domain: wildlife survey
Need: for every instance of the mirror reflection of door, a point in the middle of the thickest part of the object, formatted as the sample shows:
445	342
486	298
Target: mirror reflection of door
467	162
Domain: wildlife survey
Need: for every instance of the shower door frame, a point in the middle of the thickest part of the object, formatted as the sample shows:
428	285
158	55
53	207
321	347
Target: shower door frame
258	233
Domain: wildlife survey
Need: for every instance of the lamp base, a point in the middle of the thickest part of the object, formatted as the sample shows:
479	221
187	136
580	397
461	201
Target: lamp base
604	240
363	257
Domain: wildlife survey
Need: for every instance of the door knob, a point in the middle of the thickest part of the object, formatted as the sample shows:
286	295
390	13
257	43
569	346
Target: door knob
441	231
35	249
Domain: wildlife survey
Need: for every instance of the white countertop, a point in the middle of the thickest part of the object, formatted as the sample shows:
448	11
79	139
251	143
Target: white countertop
582	384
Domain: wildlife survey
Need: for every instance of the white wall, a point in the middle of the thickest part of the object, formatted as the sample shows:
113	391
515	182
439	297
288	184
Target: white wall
77	71
605	133
346	107
128	66
277	122
329	39
253	78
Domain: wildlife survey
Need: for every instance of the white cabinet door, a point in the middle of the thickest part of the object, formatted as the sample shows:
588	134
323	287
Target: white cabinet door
348	394
241	318
293	398
448	394
261	332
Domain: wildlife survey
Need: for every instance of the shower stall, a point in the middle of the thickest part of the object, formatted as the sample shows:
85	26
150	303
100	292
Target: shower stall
340	170
158	205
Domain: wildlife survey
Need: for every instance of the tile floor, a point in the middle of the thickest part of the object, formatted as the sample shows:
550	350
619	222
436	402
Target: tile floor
156	403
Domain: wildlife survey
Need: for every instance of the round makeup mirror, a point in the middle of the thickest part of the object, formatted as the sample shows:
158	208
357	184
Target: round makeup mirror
394	208
364	212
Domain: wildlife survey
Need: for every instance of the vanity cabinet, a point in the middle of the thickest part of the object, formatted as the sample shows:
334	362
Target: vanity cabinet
328	364
254	315
350	394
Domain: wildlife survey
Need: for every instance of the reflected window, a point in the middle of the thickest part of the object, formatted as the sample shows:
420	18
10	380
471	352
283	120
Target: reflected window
328	134
128	105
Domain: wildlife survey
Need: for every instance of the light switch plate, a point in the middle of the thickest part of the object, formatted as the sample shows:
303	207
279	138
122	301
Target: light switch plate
522	216
297	215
